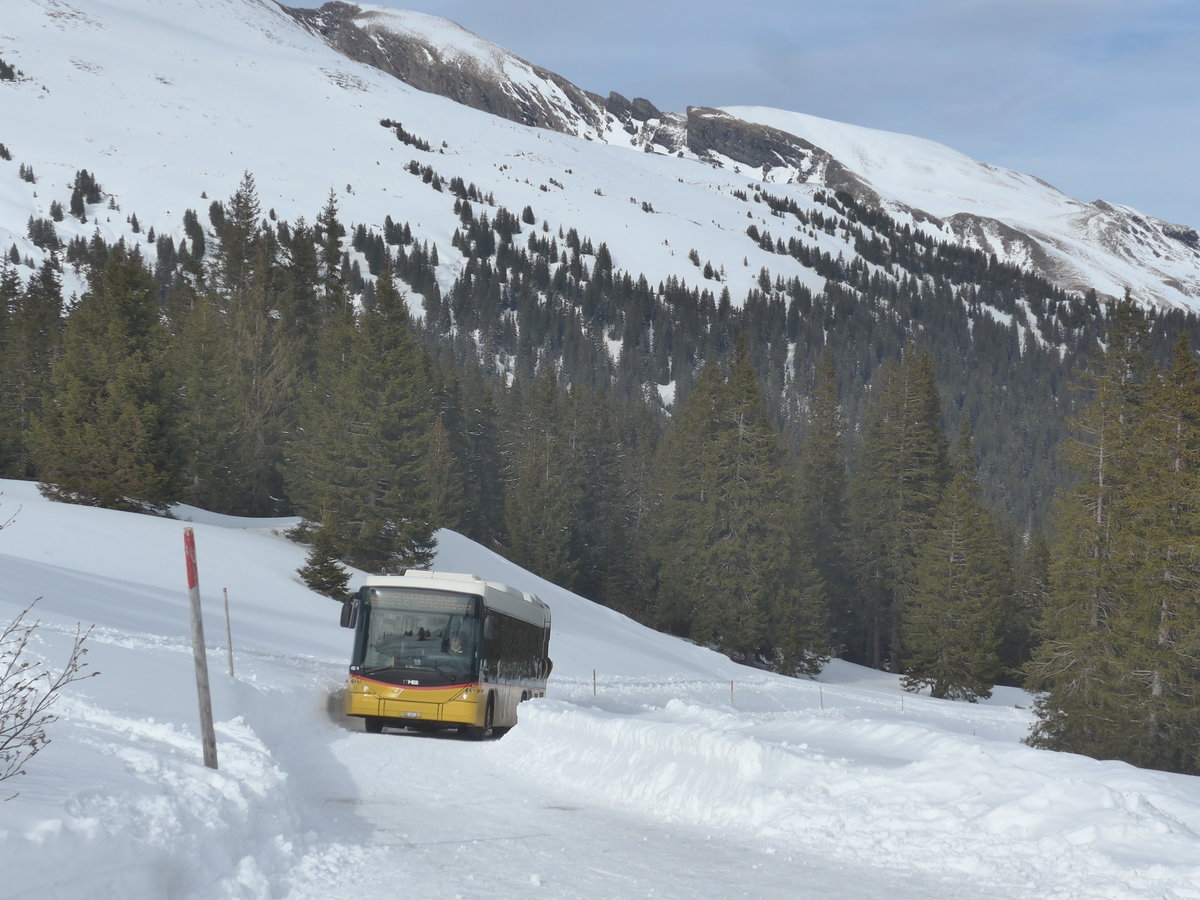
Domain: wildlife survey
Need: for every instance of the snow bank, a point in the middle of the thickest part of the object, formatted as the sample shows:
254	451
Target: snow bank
889	793
652	767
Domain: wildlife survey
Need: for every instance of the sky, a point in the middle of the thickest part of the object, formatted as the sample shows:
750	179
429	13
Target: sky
1097	97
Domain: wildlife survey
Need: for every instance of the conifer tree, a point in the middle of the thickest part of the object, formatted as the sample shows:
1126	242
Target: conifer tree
636	596
1160	615
901	472
105	436
473	407
329	232
443	480
1077	664
821	502
239	397
747	533
541	486
302	313
1031	587
203	364
951	617
601	521
322	571
34	344
11	441
730	570
683	494
357	465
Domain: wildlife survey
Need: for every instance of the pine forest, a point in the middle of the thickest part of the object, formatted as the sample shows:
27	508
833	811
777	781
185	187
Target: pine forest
888	471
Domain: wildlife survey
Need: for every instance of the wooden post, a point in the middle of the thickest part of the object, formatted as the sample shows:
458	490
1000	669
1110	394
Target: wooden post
593	682
228	633
208	736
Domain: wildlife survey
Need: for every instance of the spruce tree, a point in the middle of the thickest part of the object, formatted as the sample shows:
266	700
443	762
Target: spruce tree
203	366
11	441
34	345
244	274
748	534
1078	663
443	480
601	520
682	496
821	502
1159	617
477	435
730	570
901	471
322	571
951	617
541	486
236	377
357	465
1031	588
105	436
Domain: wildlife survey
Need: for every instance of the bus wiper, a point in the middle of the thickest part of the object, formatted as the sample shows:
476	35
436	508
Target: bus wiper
375	670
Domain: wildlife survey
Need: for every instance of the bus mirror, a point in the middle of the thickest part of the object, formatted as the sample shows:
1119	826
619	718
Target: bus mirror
489	627
349	613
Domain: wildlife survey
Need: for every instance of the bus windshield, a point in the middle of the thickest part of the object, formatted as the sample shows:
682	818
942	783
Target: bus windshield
418	635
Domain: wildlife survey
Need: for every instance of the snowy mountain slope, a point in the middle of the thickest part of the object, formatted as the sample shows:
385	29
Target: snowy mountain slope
438	56
168	103
653	767
1016	216
234	85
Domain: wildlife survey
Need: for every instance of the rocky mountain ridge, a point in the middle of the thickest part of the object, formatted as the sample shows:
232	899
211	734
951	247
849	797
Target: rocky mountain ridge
1066	247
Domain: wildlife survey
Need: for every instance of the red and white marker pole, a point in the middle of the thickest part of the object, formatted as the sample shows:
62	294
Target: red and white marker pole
207	735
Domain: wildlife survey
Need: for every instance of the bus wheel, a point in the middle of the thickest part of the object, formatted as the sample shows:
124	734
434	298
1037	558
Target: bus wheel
373	724
477	733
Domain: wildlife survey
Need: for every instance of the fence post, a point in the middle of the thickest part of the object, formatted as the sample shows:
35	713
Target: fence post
228	633
208	736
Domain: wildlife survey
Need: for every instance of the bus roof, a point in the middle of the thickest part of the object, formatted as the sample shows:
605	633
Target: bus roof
500	597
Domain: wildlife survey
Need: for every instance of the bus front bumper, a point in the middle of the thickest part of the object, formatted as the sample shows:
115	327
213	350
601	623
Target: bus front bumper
451	706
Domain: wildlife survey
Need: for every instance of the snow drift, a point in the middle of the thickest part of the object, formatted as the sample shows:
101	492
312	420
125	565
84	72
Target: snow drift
653	766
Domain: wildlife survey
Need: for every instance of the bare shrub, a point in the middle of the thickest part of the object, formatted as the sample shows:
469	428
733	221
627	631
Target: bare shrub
28	689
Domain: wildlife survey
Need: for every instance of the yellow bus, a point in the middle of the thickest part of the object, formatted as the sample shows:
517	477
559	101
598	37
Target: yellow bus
439	650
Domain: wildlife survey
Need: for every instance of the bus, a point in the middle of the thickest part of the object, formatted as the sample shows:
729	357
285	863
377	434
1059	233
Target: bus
439	650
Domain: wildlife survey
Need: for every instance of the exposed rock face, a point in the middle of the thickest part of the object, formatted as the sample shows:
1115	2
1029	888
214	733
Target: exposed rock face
481	75
712	132
549	101
1184	235
560	106
638	108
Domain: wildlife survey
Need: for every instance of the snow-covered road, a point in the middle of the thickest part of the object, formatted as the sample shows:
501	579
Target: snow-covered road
652	768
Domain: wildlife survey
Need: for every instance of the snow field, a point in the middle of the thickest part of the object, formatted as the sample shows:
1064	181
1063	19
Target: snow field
645	772
197	94
871	791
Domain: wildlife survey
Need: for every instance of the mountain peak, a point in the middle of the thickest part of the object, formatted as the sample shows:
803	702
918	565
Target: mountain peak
169	101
